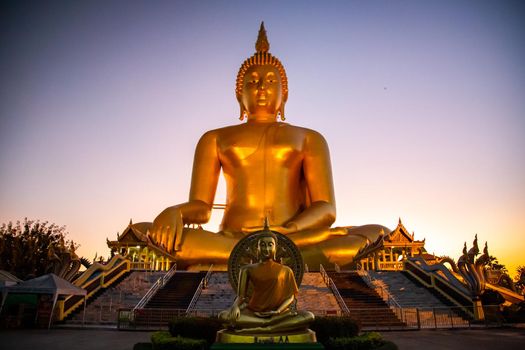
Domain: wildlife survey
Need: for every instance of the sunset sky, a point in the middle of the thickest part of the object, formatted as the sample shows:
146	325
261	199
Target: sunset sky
422	104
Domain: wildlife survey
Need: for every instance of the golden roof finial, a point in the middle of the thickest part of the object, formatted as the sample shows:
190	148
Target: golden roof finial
262	44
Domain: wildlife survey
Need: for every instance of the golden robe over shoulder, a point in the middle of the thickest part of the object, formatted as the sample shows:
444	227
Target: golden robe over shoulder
273	284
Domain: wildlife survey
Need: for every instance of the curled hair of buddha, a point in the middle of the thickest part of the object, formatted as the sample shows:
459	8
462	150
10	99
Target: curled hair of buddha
262	57
266	232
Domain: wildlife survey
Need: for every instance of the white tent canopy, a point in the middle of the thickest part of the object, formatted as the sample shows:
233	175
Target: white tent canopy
46	284
7	279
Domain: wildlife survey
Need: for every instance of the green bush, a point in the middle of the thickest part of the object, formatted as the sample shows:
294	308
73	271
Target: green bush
143	346
334	327
195	328
367	341
164	341
388	345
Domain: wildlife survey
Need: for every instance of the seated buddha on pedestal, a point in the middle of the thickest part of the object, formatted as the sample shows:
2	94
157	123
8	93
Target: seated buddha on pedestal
265	302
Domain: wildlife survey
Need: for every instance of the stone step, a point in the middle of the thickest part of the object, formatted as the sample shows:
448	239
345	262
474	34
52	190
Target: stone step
177	292
406	293
364	304
126	294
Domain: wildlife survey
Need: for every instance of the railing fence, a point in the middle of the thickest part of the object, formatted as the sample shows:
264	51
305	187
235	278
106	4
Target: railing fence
413	318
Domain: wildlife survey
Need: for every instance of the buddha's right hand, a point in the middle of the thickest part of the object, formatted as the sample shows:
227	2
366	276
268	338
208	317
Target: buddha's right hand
166	227
235	313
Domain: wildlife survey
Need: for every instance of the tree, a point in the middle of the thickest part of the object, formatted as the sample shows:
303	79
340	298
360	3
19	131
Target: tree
520	278
34	248
494	264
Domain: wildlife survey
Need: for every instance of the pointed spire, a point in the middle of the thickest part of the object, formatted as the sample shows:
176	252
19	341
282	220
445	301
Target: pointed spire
130	222
266	224
400	221
262	44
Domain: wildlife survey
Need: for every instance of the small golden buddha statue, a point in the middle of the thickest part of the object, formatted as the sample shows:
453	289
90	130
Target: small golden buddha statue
272	169
268	306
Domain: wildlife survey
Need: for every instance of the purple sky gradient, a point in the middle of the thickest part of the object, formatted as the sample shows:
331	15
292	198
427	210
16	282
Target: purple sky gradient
422	104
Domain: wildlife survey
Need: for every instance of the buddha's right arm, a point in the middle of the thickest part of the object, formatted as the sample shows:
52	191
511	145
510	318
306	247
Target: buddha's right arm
242	285
167	227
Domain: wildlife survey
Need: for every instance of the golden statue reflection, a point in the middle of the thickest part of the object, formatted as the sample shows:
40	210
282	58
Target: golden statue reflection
272	169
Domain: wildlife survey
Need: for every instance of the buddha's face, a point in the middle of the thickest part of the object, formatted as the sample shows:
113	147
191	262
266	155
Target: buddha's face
267	248
262	92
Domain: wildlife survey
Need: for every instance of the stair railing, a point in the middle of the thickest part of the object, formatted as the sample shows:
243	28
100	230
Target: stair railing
383	292
207	277
197	294
161	282
330	284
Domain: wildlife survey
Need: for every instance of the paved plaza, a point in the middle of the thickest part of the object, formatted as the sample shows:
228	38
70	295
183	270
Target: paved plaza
458	339
95	339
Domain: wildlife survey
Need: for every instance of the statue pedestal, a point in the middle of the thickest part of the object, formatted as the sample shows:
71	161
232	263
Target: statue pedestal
267	346
304	338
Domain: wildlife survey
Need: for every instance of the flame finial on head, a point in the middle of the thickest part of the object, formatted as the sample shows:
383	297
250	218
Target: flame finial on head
266	224
262	44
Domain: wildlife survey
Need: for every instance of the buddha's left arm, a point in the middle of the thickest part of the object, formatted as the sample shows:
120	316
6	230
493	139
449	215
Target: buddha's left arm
318	175
286	304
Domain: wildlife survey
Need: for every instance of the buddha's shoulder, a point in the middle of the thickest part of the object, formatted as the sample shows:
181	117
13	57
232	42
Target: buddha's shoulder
239	129
302	130
222	131
280	125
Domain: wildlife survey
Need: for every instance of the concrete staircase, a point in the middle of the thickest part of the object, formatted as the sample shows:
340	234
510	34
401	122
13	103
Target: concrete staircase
407	293
419	302
169	301
365	305
217	296
316	297
103	309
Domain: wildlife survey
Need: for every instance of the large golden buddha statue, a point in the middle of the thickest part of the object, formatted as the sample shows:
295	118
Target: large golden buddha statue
272	169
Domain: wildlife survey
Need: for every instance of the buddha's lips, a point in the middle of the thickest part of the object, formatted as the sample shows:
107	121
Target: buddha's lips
261	100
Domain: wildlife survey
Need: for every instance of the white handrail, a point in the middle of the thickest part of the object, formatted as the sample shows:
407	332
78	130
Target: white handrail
385	294
161	282
207	277
330	284
197	294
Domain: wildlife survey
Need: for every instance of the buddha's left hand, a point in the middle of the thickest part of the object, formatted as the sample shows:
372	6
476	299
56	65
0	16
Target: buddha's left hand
277	228
266	314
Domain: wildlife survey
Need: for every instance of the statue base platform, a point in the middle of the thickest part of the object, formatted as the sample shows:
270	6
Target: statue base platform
305	337
267	346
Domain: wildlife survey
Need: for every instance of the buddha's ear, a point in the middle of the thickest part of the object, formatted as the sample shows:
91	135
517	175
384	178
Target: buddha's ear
281	112
242	113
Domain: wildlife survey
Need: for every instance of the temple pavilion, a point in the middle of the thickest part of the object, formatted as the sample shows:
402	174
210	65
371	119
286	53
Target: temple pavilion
390	250
135	244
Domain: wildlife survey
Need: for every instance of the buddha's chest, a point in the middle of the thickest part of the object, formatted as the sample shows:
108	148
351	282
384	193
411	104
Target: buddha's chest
267	274
270	147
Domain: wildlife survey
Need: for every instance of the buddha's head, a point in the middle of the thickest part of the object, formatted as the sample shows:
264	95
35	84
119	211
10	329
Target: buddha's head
267	245
261	86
